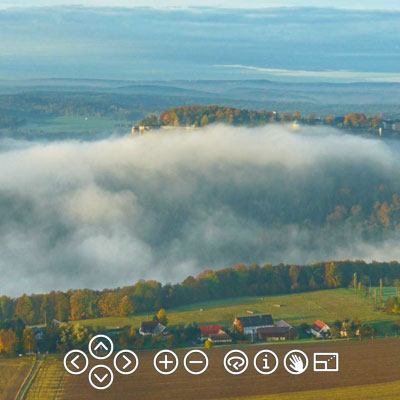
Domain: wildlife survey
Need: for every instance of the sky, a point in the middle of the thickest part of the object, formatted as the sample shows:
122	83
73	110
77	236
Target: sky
348	4
292	44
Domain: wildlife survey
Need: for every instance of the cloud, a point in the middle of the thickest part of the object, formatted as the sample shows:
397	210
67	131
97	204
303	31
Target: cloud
335	75
166	205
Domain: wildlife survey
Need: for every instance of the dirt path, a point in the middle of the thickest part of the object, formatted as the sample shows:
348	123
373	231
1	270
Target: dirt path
27	381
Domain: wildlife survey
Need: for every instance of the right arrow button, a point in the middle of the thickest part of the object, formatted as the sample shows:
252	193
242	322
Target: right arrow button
126	362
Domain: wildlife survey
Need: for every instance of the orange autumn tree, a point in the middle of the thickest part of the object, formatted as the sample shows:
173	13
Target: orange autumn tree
109	305
8	341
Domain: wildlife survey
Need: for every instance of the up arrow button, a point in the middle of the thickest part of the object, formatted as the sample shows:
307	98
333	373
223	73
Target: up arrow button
101	347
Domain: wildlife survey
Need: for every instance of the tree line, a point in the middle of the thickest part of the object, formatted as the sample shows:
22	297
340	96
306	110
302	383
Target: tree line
198	116
148	296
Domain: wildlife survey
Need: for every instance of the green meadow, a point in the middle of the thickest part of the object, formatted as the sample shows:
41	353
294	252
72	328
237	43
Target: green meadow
327	305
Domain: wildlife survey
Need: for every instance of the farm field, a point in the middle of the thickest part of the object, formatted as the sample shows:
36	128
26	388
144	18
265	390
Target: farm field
328	305
12	374
372	362
383	391
48	380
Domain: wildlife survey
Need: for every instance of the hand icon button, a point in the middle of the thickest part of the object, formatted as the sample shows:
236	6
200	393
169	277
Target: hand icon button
295	362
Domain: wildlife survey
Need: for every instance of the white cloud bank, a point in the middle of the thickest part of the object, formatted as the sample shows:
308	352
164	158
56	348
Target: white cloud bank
333	75
165	205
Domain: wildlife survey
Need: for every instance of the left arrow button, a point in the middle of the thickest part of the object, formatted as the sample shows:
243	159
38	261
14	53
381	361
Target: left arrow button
76	362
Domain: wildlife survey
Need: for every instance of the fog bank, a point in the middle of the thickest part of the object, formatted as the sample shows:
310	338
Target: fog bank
166	205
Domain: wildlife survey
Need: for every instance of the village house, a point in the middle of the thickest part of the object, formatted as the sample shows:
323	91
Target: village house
320	330
252	323
281	331
152	328
215	334
220	337
139	130
206	331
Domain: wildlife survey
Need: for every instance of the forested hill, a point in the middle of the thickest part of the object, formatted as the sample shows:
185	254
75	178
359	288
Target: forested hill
197	116
238	281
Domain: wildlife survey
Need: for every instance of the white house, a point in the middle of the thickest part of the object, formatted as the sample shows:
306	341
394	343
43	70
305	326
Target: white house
320	330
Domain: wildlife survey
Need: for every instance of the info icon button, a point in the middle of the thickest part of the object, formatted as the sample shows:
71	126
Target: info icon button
266	362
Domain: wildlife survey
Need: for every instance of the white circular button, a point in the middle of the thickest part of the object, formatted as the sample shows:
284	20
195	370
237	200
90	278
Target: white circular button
297	360
129	361
236	362
266	368
190	361
101	377
166	362
73	362
101	343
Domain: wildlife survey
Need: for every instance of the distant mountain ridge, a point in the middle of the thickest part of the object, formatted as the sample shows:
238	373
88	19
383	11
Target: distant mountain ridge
321	98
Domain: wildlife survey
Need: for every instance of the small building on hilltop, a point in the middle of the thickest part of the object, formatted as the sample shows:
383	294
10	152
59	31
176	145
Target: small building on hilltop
250	324
152	328
320	330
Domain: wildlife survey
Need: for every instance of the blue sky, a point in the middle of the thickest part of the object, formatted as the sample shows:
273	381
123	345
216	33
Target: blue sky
348	4
292	44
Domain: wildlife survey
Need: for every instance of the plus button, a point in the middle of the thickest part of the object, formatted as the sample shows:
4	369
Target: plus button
165	362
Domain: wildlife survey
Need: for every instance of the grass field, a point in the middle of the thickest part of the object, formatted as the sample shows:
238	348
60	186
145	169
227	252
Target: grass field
372	362
72	124
12	374
388	291
328	305
48	380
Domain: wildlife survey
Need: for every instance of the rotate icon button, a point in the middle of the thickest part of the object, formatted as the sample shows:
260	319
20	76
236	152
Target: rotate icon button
236	362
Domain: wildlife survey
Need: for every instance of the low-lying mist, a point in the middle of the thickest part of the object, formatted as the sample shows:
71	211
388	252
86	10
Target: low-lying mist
166	205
